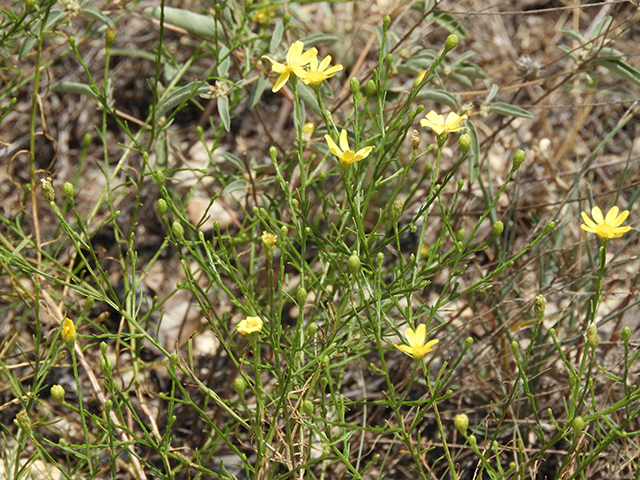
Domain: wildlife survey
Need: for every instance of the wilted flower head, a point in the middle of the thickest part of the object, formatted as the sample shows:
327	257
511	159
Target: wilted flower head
295	61
346	156
438	124
318	73
605	227
417	347
250	325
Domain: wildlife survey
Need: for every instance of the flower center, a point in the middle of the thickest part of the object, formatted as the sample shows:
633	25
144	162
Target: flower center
347	157
605	231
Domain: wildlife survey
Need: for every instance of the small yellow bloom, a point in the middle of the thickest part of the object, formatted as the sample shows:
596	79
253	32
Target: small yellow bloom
605	227
269	239
346	156
417	347
264	15
295	61
68	332
250	325
318	73
438	124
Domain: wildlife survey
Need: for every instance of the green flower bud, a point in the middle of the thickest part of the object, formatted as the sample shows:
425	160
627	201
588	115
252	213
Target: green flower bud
370	88
626	334
47	190
539	305
161	206
460	184
68	190
451	42
57	392
103	348
380	258
468	342
106	366
110	37
512	466
592	336
63	443
285	19
578	425
308	407
354	86
199	131
515	347
323	383
473	441
549	227
461	234
497	228
395	211
518	158
108	405
301	296
442	139
354	264
464	142
294	204
386	22
273	153
30	5
240	386
325	360
87	138
247	5
178	230
552	332
388	60
312	329
158	176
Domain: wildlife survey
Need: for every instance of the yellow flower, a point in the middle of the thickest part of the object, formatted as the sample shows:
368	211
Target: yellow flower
250	325
417	347
346	156
318	73
264	15
269	239
295	61
68	332
438	124
605	227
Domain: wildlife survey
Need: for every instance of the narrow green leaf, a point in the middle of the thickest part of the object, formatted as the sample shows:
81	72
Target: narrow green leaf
462	80
76	88
309	98
620	68
602	26
574	35
509	110
223	110
223	67
317	39
200	25
259	87
181	95
234	160
93	13
440	96
239	184
276	37
474	153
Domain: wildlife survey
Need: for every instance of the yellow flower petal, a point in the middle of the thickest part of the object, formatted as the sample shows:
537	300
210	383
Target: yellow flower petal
344	142
333	148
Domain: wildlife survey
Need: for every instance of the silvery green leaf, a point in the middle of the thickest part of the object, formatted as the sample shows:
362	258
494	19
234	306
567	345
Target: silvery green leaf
440	96
200	25
309	98
461	58
509	110
471	70
574	35
239	184
76	88
462	80
94	14
223	110
602	26
317	39
620	68
492	93
223	67
568	50
181	95
29	41
276	37
257	90
234	160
